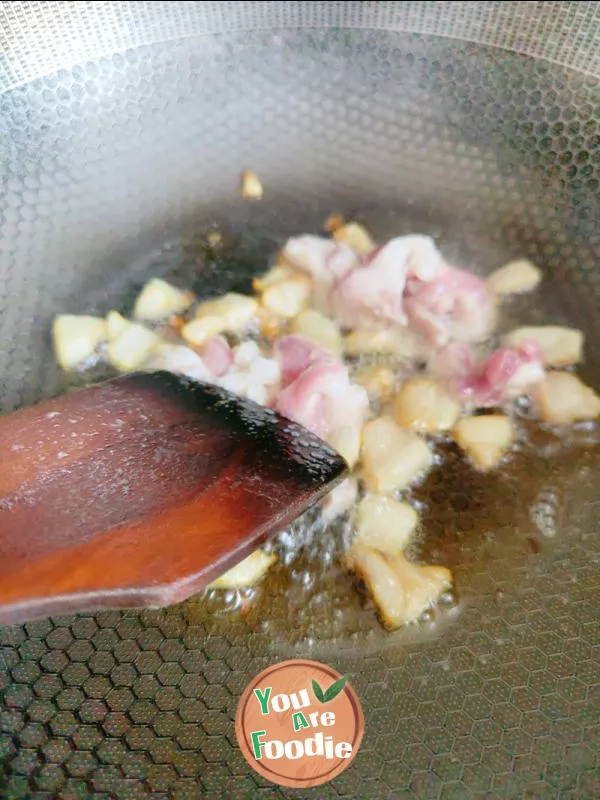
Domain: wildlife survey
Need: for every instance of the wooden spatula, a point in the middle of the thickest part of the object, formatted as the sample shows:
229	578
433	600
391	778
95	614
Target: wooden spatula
141	490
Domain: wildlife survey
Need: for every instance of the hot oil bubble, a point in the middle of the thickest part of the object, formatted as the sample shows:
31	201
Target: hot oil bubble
225	601
448	599
544	513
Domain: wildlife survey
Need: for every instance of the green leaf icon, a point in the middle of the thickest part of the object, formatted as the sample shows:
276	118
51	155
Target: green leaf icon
335	689
330	693
318	691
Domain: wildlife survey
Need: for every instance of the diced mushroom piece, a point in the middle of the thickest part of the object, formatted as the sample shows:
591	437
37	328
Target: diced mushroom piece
355	235
346	440
158	300
339	500
319	329
425	406
560	346
132	348
76	338
288	298
397	342
400	590
392	457
379	381
516	277
252	188
232	312
385	524
247	573
115	325
484	439
562	398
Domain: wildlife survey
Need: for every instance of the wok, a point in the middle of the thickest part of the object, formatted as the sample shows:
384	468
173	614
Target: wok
125	126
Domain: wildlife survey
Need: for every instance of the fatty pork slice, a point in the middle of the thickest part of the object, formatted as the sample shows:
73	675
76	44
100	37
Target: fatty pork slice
217	355
251	374
209	362
325	260
505	375
373	291
298	358
453	306
317	389
323	399
295	353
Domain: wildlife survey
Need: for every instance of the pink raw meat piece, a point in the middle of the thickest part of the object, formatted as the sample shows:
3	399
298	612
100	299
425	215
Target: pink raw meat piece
454	305
217	355
506	374
325	260
374	290
322	398
295	353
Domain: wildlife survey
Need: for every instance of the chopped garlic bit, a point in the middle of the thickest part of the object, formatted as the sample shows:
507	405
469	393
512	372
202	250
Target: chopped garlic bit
484	439
247	573
176	323
76	338
214	238
346	440
425	405
385	524
402	591
516	277
288	298
319	329
252	188
562	398
560	346
379	381
132	348
391	456
333	222
232	312
158	300
270	325
355	235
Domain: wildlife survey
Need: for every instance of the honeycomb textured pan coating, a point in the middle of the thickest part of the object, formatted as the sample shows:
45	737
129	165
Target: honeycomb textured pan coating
125	127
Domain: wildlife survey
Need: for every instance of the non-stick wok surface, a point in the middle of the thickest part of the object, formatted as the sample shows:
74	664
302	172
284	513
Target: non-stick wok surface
124	129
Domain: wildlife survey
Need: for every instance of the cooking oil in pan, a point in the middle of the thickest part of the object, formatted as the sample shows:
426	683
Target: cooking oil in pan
515	516
471	522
